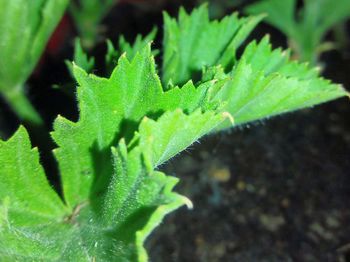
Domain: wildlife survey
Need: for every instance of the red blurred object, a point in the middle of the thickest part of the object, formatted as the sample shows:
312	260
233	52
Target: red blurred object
145	3
133	1
56	42
60	36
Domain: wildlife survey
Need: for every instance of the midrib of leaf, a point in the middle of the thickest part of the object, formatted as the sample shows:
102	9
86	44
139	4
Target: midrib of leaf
75	164
130	194
72	242
185	55
86	251
23	176
19	159
97	116
282	100
130	107
172	141
167	148
251	99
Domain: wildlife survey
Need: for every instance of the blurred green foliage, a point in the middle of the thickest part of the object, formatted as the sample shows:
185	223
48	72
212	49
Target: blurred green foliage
25	28
87	16
306	27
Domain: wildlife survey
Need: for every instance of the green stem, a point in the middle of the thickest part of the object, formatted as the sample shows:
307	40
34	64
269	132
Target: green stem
22	107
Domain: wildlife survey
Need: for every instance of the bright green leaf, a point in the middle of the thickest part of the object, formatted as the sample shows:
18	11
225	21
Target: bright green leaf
35	224
24	182
111	109
128	127
173	132
265	83
28	205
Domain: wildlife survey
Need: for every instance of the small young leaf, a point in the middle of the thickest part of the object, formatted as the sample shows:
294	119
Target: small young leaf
139	43
137	199
173	132
81	59
131	50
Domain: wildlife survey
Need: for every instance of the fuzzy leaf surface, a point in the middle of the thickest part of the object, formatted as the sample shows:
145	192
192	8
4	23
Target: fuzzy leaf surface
109	110
28	205
36	225
175	131
265	83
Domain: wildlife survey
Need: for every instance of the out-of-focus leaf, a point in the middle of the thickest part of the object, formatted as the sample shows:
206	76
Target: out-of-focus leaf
193	42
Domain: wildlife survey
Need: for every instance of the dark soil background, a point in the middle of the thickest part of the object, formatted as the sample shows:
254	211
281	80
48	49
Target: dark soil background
277	190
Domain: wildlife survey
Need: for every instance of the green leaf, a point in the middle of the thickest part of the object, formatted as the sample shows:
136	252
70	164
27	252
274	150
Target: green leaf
128	126
174	131
136	187
139	43
25	28
81	59
28	205
262	57
322	15
111	109
35	224
23	181
265	83
194	42
130	49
